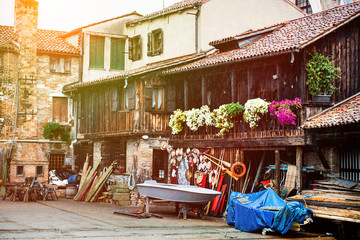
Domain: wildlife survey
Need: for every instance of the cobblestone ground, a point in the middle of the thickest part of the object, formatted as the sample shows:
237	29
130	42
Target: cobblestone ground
68	219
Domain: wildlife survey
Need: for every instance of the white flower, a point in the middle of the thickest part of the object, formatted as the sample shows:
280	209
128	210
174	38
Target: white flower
253	109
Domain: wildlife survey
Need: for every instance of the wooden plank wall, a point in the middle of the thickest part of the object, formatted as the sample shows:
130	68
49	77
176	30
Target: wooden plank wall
343	46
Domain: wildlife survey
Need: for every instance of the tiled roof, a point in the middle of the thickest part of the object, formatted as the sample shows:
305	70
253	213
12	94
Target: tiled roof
47	41
175	7
147	68
293	35
343	113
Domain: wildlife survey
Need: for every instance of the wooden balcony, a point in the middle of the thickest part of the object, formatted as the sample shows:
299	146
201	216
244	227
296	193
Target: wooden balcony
269	134
125	123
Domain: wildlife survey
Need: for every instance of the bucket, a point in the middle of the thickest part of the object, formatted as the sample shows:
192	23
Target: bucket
70	191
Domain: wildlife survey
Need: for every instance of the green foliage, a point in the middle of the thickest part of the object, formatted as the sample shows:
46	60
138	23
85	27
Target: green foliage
54	131
234	109
321	75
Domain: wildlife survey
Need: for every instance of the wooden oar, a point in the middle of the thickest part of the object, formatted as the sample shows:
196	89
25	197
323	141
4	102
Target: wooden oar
226	170
227	164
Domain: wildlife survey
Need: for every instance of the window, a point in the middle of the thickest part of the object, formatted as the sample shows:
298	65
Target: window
158	98
20	170
135	48
60	109
155	42
97	45
39	171
117	58
60	64
304	5
56	161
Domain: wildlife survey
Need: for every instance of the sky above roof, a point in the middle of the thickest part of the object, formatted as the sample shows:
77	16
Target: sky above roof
67	15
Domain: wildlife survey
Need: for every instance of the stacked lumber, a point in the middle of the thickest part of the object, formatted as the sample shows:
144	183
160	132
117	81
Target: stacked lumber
92	182
340	201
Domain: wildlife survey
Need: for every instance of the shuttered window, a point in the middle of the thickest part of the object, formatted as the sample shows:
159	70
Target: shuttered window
304	5
117	58
155	42
60	109
97	45
135	48
60	64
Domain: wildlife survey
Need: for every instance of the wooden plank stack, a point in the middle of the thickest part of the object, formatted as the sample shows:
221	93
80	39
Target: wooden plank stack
92	182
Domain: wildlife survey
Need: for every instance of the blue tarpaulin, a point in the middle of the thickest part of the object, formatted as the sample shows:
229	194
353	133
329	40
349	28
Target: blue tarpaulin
265	209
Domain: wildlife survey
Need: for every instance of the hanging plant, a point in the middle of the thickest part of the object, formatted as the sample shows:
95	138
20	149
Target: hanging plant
283	110
321	75
254	109
176	121
196	118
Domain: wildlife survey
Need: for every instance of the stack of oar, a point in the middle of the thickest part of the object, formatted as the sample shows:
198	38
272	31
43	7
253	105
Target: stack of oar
92	182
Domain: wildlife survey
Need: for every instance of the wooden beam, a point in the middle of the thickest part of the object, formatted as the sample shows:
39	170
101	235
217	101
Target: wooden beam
203	90
233	87
186	94
299	166
277	171
271	143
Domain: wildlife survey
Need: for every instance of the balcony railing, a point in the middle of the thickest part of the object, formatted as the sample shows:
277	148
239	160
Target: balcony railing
124	122
268	126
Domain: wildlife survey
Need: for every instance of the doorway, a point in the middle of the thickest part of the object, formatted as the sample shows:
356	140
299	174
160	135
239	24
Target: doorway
160	166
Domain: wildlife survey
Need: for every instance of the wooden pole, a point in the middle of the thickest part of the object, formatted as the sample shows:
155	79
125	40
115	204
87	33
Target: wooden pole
277	171
299	166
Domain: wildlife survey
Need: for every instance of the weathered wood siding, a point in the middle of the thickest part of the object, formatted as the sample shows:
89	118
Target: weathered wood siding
343	46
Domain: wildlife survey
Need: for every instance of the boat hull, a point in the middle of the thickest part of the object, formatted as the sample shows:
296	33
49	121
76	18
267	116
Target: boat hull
176	193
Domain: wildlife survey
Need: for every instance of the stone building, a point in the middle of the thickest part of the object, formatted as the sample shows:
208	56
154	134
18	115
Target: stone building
34	66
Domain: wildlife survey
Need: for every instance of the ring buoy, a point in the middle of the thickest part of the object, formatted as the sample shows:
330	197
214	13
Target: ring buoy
233	169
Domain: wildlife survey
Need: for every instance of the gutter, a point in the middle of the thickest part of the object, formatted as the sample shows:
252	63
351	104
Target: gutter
31	141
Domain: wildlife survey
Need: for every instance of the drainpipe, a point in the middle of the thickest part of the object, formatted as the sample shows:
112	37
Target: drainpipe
196	27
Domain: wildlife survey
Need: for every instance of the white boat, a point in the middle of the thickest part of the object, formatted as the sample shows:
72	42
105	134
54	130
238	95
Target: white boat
176	193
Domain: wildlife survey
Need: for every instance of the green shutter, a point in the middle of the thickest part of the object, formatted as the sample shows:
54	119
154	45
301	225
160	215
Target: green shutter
97	45
117	57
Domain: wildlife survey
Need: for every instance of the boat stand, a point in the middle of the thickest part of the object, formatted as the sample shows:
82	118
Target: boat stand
195	208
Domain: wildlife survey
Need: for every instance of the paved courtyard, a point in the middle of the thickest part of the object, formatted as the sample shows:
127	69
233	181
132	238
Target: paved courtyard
68	219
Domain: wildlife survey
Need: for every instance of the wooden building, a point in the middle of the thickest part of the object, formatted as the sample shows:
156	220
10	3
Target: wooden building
270	63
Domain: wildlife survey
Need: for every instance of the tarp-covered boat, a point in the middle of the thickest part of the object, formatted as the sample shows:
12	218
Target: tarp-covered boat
265	209
176	193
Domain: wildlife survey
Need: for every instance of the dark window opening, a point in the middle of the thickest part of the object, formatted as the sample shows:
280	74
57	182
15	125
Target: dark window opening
20	171
39	171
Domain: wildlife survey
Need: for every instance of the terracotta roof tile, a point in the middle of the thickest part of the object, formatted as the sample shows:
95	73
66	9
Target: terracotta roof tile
293	35
149	67
47	40
345	112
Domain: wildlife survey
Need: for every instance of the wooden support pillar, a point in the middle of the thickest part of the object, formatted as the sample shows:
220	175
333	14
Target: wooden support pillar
186	93
299	166
277	171
203	91
242	159
233	87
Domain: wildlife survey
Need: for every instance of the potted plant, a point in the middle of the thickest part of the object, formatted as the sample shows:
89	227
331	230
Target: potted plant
321	76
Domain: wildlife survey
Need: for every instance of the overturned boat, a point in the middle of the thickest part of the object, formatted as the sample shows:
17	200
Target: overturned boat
176	193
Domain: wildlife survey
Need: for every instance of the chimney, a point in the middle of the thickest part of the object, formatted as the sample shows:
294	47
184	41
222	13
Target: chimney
26	21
